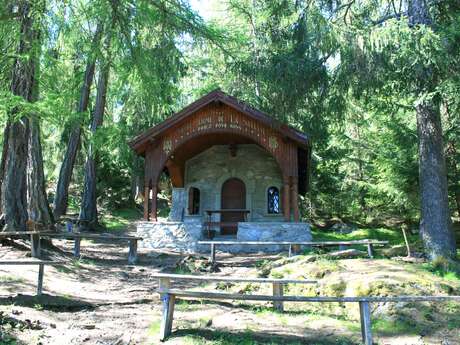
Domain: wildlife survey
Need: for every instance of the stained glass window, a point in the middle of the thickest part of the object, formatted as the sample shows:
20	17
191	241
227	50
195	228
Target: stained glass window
273	199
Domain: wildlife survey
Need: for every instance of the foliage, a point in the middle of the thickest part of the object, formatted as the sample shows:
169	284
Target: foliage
346	73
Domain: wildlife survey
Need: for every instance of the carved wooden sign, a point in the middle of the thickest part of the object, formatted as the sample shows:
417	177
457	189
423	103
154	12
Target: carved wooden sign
214	119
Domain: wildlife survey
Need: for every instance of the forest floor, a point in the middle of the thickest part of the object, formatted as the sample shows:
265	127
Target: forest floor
99	299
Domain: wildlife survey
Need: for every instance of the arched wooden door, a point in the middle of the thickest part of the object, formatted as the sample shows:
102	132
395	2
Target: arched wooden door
233	197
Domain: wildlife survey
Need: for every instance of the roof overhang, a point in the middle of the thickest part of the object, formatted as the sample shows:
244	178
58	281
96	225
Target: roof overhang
140	142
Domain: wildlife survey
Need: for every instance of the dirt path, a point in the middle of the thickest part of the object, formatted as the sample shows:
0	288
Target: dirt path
101	300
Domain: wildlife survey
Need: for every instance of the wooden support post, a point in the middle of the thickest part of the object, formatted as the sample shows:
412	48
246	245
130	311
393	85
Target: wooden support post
290	250
153	212
409	253
146	202
365	316
168	302
278	291
41	271
132	254
76	247
370	250
286	204
213	254
35	245
295	198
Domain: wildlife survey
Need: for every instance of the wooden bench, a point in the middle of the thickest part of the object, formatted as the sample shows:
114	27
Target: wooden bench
77	237
369	243
168	298
41	268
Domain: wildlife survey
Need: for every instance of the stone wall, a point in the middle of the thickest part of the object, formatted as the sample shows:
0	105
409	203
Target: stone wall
182	236
254	166
178	236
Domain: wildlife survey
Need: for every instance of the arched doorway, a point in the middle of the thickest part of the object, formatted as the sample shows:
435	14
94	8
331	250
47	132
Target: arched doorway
233	197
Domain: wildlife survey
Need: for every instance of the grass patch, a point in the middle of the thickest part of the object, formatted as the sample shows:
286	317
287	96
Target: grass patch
229	338
154	328
394	236
11	279
120	219
390	327
249	337
185	305
443	268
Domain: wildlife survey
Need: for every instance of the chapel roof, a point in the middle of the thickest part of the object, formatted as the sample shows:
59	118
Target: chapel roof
138	143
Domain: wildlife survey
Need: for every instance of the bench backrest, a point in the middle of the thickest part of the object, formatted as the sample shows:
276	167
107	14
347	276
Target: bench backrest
84	235
231	279
290	298
32	262
307	243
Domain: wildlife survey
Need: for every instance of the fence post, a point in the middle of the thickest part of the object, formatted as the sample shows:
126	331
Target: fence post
278	291
168	302
132	254
41	271
370	250
35	245
76	247
365	316
213	254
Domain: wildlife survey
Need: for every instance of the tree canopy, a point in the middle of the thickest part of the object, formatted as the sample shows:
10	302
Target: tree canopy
374	84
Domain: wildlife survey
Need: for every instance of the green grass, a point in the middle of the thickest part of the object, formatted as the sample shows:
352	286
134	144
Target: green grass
394	236
11	279
120	219
154	328
449	271
229	338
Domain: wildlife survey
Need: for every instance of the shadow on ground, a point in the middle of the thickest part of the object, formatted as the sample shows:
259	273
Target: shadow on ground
47	302
259	338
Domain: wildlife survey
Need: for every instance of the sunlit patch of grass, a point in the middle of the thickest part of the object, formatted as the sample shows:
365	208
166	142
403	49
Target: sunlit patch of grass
120	219
390	327
11	279
228	338
78	264
154	328
394	236
443	268
184	305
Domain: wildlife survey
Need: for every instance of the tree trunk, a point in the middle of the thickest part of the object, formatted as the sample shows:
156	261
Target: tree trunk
38	207
14	189
65	173
3	162
435	223
88	211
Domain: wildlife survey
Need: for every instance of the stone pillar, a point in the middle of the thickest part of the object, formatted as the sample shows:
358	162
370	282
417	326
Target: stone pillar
153	212
178	204
286	199
295	198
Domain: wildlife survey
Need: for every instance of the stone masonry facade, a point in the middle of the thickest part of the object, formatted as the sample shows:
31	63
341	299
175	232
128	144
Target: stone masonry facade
210	169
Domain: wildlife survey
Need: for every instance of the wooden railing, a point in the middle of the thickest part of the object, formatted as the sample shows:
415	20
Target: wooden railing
168	297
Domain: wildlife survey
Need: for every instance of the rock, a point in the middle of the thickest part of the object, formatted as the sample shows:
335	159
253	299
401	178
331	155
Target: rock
346	254
343	228
399	250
